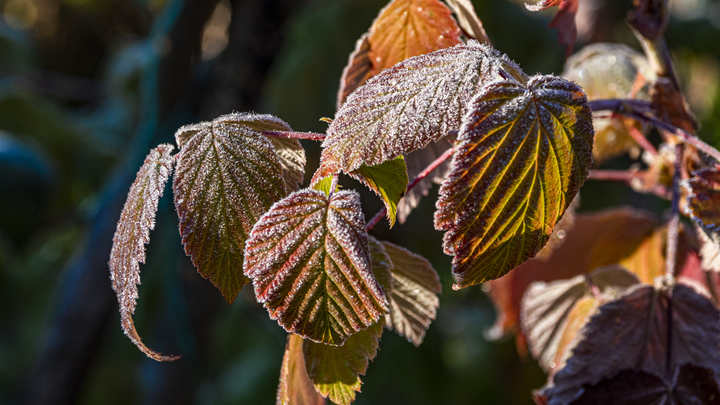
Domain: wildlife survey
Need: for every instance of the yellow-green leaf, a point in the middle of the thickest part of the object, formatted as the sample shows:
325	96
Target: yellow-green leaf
525	150
228	175
309	261
389	180
296	387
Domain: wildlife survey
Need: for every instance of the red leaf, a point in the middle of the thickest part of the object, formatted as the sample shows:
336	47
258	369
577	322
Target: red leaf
564	20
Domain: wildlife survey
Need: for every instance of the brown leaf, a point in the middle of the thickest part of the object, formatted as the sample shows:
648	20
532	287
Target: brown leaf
524	151
358	70
596	239
309	261
648	260
546	309
407	28
564	20
292	161
636	327
468	19
296	387
670	105
228	174
414	301
133	233
703	201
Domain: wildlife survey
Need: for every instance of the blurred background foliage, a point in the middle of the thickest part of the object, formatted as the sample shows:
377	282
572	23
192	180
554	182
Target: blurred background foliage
88	86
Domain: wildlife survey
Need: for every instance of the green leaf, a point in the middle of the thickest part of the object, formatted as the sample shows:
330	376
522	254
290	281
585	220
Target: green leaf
228	175
133	233
409	105
296	387
413	300
525	150
336	370
309	260
324	185
389	180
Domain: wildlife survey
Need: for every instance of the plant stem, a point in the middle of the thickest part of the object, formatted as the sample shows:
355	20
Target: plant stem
639	137
429	169
672	232
613	175
312	136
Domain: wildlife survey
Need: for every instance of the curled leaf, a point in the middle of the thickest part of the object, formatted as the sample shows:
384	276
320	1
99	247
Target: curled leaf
524	152
133	233
389	180
336	370
409	105
228	174
309	261
296	387
358	70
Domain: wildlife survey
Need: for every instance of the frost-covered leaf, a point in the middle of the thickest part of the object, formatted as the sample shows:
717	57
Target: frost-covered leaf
309	261
414	301
703	201
292	161
336	370
688	385
546	308
381	265
409	105
324	185
607	70
389	180
407	28
709	252
636	328
416	162
597	239
228	174
296	387
133	233
468	19
524	151
358	70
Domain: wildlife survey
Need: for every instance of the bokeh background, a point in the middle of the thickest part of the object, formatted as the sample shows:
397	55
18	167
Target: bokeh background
87	87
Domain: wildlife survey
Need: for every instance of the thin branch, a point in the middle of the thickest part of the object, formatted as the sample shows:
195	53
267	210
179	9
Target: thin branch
613	175
641	140
429	169
672	233
312	136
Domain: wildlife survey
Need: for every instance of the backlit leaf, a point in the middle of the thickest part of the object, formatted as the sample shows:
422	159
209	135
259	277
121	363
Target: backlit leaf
296	387
406	28
358	70
292	161
560	231
409	105
564	20
336	370
389	180
596	239
414	301
468	19
546	308
133	233
324	185
524	151
309	261
381	265
636	328
228	174
709	251
703	201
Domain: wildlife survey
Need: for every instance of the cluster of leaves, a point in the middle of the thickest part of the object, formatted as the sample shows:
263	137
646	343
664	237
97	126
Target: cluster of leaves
419	88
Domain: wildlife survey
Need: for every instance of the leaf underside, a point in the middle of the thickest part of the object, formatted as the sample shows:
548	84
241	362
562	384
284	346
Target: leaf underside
336	370
133	233
228	175
389	180
296	387
413	301
524	152
309	261
292	161
409	105
703	202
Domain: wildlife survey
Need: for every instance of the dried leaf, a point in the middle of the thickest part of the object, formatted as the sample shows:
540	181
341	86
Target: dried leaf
468	19
309	261
414	301
524	152
636	326
703	201
133	233
407	28
336	370
689	385
358	70
546	308
670	105
292	161
296	387
596	239
228	174
409	105
389	180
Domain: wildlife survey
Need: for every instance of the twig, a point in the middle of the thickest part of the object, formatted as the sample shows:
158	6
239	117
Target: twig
312	136
639	137
613	175
429	169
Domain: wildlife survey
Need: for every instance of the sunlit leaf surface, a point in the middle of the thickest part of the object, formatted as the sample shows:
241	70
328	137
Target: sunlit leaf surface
228	175
389	180
309	261
524	152
296	387
133	233
409	105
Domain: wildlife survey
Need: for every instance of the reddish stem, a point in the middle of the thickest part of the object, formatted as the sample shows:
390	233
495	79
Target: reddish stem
639	137
613	175
429	169
312	136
